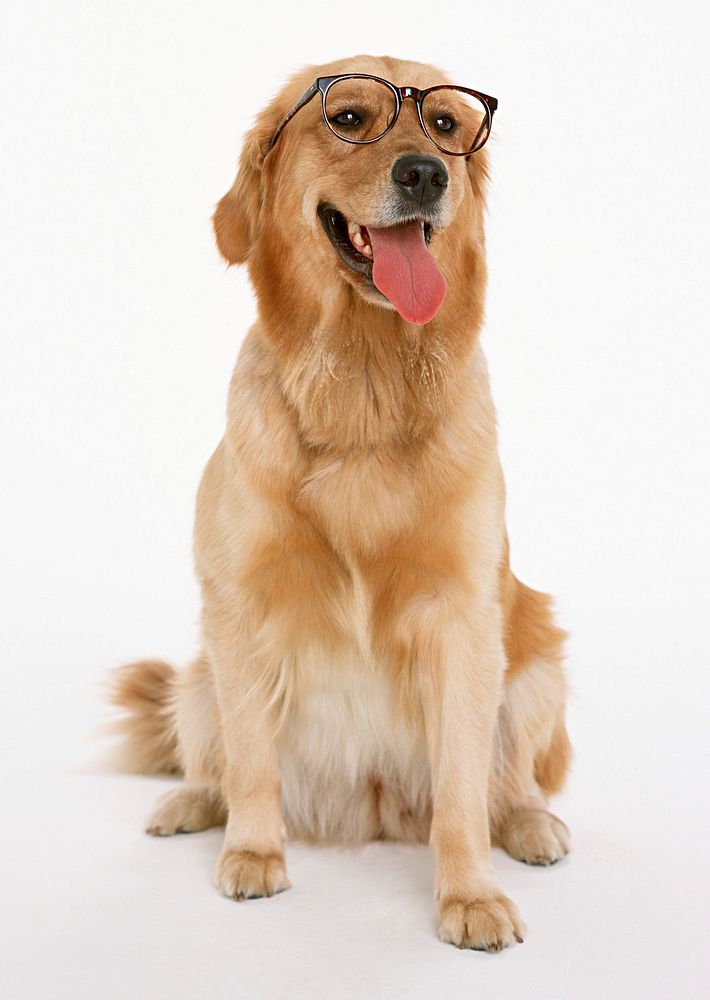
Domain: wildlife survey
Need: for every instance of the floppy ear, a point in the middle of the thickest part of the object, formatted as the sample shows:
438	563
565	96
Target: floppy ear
236	216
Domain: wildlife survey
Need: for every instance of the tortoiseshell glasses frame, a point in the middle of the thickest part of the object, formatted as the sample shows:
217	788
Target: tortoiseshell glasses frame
399	94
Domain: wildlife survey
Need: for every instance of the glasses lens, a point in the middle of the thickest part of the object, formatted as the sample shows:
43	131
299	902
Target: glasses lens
456	121
360	110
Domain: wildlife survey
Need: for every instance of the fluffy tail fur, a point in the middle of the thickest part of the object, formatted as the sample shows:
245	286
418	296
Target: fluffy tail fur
146	690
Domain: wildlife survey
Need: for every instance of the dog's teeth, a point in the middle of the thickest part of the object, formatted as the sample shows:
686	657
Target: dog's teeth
357	239
367	250
353	228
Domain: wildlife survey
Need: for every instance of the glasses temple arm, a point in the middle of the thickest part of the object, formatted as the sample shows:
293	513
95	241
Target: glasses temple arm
301	103
487	121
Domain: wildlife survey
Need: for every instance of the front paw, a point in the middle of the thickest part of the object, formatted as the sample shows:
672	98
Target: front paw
249	875
488	923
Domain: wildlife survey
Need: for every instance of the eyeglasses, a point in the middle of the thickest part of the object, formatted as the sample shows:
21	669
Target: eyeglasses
360	108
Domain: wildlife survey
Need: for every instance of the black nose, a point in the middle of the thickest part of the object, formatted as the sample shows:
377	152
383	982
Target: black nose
421	179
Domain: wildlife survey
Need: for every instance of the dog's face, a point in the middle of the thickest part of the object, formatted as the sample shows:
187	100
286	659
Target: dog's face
386	218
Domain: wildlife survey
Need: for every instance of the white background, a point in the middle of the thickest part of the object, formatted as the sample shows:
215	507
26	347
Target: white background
120	127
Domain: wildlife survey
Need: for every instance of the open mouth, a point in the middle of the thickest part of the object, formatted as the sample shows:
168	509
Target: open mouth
395	260
352	241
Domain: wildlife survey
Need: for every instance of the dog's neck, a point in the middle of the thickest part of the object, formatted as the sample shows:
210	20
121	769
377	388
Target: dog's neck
355	374
359	377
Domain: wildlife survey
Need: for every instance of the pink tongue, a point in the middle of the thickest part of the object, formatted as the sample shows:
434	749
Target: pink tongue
405	271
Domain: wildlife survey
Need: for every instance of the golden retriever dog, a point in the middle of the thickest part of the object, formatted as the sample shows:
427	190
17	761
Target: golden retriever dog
370	667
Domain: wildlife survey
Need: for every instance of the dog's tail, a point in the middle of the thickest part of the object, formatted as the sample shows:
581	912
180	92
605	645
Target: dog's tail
146	690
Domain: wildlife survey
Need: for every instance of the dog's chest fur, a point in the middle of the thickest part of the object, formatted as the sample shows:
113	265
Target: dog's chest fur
360	500
365	453
345	745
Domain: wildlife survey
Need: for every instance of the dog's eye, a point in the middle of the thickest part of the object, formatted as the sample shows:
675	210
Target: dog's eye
444	124
347	119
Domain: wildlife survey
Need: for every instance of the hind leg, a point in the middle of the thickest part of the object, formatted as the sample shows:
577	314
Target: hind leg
198	803
530	759
188	809
535	836
532	751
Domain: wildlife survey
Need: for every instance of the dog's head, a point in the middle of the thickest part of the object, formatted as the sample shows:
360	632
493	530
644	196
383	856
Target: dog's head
396	220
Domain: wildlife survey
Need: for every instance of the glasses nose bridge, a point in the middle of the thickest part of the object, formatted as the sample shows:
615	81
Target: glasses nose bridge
413	92
416	95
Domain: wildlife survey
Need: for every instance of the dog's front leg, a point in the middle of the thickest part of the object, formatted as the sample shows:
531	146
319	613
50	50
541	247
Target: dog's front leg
459	664
252	860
